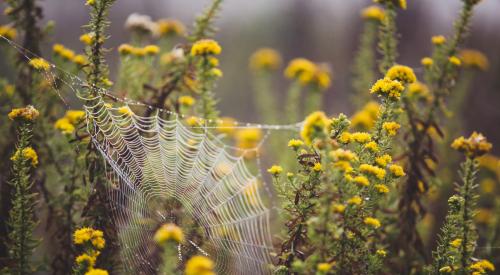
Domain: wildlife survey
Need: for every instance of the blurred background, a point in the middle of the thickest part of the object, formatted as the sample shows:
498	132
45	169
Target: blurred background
321	30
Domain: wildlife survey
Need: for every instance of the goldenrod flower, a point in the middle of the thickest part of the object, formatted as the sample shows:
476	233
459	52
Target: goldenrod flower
372	146
381	188
205	47
455	61
214	62
397	170
383	160
28	113
265	59
391	127
39	64
216	72
295	143
438	40
199	265
474	59
67	54
125	49
427	61
64	125
300	68
125	110
317	167
341	154
151	49
8	32
167	27
388	88
373	222
356	200
169	232
456	243
344	166
275	170
374	170
367	116
80	60
403	74
324	267
338	208
194	121
90	3
373	13
345	137
381	252
58	48
87	38
315	125
27	153
248	138
85	259
361	137
474	146
418	89
87	234
186	100
361	180
225	125
482	266
96	271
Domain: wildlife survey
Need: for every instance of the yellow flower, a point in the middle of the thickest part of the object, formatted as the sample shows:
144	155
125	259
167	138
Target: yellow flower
75	116
27	153
372	146
67	54
418	89
356	200
361	137
383	160
64	125
391	127
248	138
373	222
456	243
214	62
474	146
151	49
199	265
265	59
82	235
324	267
86	259
427	61
169	232
28	113
403	74
344	166
301	69
125	49
455	61
345	137
275	170
139	52
341	154
482	266
474	59
216	72
58	48
80	60
125	110
322	77
361	180
194	121
186	100
338	208
381	188
388	88
438	40
167	27
90	3
381	252
205	47
317	167
225	125
373	13
374	170
87	38
315	125
295	143
39	64
397	170
96	271
445	269
8	32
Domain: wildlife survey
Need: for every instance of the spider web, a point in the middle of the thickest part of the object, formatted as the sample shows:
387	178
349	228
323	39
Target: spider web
152	161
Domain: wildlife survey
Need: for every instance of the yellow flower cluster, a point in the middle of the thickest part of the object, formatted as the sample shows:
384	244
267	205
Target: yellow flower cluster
383	160
474	146
427	61
149	50
205	47
361	180
27	153
366	117
391	127
397	170
275	170
373	222
374	170
356	200
474	59
87	235
169	232
225	125
199	265
87	38
456	243
373	13
338	208
403	74
265	59
186	100
39	64
96	271
481	267
87	260
28	113
381	188
169	27
455	61
8	32
324	267
63	52
438	40
344	155
68	123
317	167
316	124
248	138
125	110
387	87
308	73
419	89
295	143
